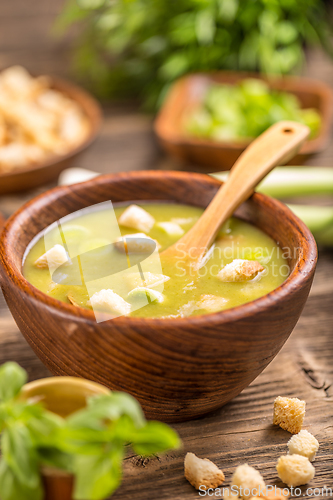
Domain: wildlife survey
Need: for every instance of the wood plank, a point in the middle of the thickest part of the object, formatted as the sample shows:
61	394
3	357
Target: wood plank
31	8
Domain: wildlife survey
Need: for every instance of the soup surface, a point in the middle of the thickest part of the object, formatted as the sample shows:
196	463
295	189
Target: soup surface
149	290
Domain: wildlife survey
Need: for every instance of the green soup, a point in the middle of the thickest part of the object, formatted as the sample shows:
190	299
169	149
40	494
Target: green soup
182	293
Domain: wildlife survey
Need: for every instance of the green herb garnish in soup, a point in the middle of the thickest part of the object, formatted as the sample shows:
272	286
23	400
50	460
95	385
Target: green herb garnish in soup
244	264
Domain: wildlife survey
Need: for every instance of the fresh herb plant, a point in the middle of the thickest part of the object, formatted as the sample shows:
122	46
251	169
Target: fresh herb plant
89	444
139	47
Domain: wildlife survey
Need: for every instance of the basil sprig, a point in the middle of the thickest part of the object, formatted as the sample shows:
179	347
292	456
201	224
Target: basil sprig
90	444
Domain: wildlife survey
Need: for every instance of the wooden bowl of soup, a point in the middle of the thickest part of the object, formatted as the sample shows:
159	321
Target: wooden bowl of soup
180	366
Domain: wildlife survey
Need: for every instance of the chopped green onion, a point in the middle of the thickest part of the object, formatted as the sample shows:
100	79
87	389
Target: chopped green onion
244	110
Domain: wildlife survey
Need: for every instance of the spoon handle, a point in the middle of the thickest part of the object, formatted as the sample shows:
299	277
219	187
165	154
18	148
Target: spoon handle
274	147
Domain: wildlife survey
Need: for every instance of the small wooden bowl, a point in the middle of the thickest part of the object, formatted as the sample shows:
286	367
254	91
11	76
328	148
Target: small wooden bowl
177	368
22	179
63	396
187	92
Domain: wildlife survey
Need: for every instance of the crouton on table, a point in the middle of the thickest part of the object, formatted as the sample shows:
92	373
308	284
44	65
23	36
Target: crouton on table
248	480
289	414
304	444
295	470
202	472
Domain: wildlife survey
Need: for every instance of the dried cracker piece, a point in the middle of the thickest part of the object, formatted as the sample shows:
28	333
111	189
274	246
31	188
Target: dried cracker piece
54	101
73	127
295	470
272	495
107	300
229	495
240	270
304	444
17	81
170	228
43	121
18	155
248	480
136	243
289	414
36	123
53	258
184	220
212	303
3	130
187	309
202	472
137	218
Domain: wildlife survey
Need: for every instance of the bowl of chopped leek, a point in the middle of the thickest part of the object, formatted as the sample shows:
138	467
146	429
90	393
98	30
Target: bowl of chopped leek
209	119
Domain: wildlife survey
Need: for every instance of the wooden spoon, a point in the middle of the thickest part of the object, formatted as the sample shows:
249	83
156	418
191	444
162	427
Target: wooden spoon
275	146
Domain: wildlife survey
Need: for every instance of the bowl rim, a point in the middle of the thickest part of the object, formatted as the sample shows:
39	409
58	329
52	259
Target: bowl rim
62	85
61	381
304	267
284	83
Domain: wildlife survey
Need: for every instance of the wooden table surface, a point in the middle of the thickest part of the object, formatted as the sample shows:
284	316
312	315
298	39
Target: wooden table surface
242	431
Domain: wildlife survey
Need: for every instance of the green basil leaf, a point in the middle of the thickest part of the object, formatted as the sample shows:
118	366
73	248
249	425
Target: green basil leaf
25	410
44	428
228	10
19	453
12	489
107	407
122	430
205	26
82	440
3	414
155	437
87	418
97	477
12	379
54	457
117	404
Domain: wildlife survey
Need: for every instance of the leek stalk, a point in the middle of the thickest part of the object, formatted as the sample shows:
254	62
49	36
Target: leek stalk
284	182
319	220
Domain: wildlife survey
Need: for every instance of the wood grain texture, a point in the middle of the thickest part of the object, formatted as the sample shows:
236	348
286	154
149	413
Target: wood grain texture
187	93
174	370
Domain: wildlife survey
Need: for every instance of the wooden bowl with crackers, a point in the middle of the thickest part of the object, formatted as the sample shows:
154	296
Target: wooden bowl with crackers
178	368
45	123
